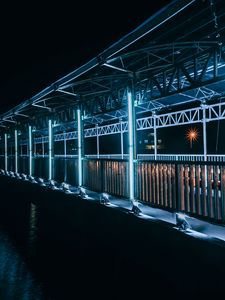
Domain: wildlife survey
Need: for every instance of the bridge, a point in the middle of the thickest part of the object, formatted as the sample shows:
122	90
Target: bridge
86	128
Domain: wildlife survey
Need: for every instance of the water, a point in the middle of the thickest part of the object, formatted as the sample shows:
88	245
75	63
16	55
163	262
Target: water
55	246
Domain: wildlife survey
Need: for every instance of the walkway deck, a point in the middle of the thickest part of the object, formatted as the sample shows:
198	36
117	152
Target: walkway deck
200	229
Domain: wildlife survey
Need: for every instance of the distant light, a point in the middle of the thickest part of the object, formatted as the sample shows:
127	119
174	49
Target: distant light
181	221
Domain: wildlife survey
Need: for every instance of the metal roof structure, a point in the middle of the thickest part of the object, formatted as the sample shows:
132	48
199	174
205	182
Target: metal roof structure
175	59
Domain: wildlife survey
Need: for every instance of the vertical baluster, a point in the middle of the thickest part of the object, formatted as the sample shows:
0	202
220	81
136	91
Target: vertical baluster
149	183
223	193
174	199
197	189
216	193
203	191
192	198
169	186
186	188
157	182
161	184
153	183
209	192
146	183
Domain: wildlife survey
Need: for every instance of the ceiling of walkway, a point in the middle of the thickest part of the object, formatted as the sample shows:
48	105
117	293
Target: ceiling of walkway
174	59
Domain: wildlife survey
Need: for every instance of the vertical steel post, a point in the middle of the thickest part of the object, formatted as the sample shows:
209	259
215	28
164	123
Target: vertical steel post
43	148
121	138
64	144
131	142
50	149
30	151
6	152
97	137
155	136
80	147
16	151
204	131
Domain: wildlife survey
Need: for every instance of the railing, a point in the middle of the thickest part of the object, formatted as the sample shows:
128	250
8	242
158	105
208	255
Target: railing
194	187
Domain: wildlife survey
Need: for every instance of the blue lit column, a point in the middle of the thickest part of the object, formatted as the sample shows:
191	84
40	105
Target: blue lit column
16	151
121	138
97	140
80	147
203	106
6	152
131	142
155	136
50	149
30	151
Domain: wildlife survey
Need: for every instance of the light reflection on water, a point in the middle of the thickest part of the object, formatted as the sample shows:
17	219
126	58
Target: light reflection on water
32	229
16	281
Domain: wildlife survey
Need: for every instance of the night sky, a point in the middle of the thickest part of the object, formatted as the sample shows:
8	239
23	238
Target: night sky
42	42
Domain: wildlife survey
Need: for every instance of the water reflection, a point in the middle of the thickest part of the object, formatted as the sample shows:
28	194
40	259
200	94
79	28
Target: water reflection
16	280
32	228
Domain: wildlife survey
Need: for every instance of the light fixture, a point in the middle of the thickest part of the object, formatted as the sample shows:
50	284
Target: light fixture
135	209
24	176
82	192
32	179
41	182
181	221
17	175
65	187
104	198
52	185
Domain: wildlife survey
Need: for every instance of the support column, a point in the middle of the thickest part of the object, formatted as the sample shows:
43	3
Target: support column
155	136
50	149
6	152
97	137
121	138
16	151
65	161
131	142
30	151
80	147
204	131
64	144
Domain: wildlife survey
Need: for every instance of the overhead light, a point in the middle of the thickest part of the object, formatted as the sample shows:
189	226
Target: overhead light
104	198
181	221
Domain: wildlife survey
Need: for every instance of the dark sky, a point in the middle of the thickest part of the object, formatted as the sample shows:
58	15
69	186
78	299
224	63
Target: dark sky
42	42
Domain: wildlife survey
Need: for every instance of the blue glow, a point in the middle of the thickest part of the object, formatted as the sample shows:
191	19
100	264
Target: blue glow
30	150
79	148
16	151
6	153
49	149
131	144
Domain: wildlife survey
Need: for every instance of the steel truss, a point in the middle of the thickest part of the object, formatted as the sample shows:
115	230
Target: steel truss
213	112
